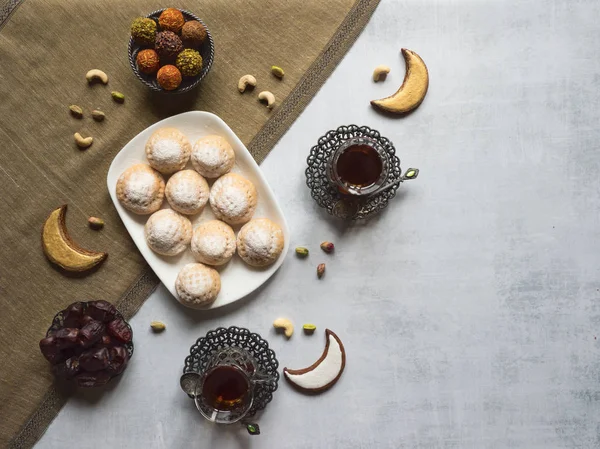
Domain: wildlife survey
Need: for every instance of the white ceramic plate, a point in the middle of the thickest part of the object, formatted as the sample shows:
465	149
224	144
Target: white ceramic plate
237	278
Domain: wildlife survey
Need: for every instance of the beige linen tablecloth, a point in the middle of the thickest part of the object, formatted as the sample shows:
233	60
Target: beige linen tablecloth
46	47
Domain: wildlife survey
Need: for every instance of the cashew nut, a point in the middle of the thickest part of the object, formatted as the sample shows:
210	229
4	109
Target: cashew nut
380	72
81	141
285	324
268	97
96	75
245	81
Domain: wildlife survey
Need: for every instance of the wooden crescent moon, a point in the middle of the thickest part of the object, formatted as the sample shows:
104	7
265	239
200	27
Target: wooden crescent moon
61	249
413	89
325	372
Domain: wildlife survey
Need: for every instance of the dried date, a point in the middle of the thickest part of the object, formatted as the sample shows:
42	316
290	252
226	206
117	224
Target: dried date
50	349
94	359
72	315
92	379
68	369
107	341
118	359
91	333
120	330
101	310
67	337
86	319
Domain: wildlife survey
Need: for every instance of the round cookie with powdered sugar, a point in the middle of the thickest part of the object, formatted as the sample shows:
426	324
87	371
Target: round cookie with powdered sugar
141	189
167	232
213	243
212	156
233	199
187	192
168	150
197	285
260	242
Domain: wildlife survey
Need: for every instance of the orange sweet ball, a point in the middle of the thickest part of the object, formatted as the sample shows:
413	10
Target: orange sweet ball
169	77
171	19
147	61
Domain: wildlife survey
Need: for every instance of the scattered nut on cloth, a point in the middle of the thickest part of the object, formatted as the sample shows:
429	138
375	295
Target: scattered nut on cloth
95	75
76	111
277	71
245	81
268	97
96	223
82	142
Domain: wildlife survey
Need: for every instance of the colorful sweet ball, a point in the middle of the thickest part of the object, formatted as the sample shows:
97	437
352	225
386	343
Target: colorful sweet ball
193	33
167	44
169	77
143	30
189	62
147	61
171	19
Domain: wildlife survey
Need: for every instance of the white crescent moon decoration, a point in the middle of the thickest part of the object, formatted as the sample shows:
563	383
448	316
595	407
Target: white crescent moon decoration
325	372
413	89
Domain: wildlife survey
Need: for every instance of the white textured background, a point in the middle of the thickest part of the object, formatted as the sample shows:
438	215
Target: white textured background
469	309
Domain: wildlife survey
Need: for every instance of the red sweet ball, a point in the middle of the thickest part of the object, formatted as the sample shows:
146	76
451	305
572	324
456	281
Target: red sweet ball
171	19
147	61
169	77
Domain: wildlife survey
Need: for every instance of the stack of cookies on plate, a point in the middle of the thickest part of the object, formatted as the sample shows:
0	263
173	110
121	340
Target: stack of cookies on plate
169	232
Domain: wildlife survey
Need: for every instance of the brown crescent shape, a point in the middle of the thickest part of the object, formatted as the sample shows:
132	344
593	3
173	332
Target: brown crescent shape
61	249
317	363
413	89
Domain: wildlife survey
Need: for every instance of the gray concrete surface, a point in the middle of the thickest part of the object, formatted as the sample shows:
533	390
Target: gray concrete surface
470	308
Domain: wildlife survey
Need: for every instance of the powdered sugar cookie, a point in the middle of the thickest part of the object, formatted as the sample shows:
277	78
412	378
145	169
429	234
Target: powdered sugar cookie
233	199
187	192
167	232
197	285
260	242
212	156
141	189
168	150
213	243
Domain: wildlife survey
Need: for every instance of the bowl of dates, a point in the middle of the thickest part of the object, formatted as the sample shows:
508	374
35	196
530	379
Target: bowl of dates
88	343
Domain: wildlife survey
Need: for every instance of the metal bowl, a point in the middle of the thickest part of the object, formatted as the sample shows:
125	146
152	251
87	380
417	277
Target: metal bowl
207	51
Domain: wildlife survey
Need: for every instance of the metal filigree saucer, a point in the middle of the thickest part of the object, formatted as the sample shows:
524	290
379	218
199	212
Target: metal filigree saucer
329	197
202	351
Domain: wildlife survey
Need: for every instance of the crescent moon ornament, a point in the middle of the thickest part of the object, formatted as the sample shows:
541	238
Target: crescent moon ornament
61	249
325	372
413	89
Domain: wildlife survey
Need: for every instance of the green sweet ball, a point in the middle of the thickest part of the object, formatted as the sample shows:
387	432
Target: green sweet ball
189	62
143	30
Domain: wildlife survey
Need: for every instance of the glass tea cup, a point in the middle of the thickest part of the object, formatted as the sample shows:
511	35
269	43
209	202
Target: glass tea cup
359	167
224	391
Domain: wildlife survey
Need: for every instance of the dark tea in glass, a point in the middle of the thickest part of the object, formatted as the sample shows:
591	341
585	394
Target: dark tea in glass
225	387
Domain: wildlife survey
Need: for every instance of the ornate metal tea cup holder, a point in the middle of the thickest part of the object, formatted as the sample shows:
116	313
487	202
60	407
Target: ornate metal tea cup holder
205	347
348	206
